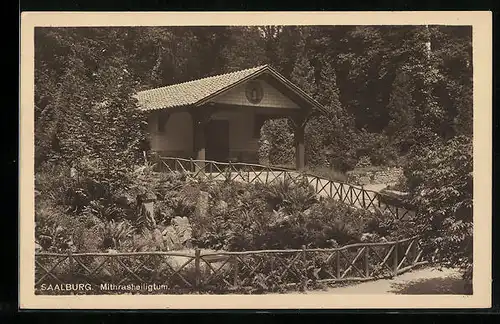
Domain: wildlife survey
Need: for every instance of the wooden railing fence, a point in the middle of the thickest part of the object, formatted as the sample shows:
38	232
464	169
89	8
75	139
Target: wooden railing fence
264	270
352	195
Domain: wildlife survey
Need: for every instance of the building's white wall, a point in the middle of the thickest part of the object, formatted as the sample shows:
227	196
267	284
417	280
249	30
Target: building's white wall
241	123
271	97
177	138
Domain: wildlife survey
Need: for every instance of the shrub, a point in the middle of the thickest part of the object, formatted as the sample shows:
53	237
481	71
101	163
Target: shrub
161	184
103	211
88	238
85	188
439	177
281	216
54	227
327	173
342	223
331	142
144	240
377	148
363	162
115	233
344	162
290	196
279	135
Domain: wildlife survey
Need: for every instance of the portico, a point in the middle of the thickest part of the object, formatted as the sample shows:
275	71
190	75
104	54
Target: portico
219	118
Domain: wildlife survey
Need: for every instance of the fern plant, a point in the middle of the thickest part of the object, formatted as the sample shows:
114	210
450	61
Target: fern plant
115	233
102	210
290	196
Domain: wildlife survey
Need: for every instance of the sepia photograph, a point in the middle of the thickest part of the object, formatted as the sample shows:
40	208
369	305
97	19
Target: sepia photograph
267	159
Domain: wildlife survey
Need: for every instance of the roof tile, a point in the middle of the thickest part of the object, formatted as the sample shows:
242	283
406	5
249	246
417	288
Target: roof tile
190	92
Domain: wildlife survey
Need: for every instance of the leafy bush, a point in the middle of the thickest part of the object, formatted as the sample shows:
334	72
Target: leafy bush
290	196
115	233
440	183
335	220
161	184
51	236
399	186
331	142
53	183
88	238
144	240
279	135
328	172
363	162
377	148
279	216
56	230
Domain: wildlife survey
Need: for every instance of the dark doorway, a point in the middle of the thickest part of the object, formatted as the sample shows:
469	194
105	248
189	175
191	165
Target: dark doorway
217	140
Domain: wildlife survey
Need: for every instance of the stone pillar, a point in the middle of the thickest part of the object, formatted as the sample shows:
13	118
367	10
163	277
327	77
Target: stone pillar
146	204
200	118
299	148
199	140
299	123
162	118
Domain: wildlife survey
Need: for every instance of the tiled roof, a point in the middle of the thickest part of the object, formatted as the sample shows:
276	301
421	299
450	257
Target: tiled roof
191	92
197	92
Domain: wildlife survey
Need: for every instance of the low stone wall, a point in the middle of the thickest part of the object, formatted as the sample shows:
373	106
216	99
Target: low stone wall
385	176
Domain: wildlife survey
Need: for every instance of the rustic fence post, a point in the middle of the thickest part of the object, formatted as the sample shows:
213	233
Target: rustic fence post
236	266
304	259
407	253
197	274
112	269
71	266
230	169
338	264
363	195
396	258
191	165
367	261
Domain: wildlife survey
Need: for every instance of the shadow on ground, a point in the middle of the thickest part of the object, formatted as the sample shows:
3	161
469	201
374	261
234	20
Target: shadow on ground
433	286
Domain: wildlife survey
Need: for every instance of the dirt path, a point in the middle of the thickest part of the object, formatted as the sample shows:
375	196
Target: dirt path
375	187
421	281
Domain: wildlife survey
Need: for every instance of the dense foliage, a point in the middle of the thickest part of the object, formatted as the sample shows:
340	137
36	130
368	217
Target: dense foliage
394	94
440	180
71	214
381	84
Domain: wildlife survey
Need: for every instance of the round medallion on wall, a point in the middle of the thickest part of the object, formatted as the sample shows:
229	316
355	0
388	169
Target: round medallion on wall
254	92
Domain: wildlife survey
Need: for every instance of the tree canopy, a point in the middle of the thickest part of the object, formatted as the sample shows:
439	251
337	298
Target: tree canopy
386	80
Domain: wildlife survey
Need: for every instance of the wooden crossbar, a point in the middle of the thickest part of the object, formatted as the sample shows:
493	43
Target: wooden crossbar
350	194
285	266
49	272
352	263
177	272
